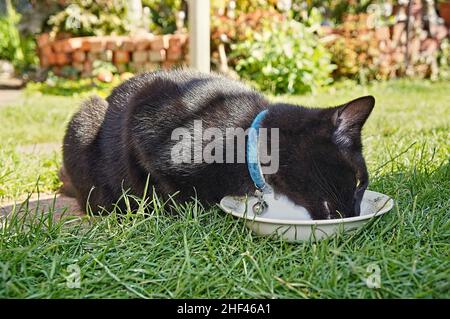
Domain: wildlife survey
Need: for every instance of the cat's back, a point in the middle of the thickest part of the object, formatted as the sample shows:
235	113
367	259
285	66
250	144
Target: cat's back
167	99
191	88
133	135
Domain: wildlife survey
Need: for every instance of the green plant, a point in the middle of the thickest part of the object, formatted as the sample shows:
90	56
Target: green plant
356	52
237	30
282	63
60	86
69	72
89	17
334	10
163	15
101	66
444	60
252	5
17	49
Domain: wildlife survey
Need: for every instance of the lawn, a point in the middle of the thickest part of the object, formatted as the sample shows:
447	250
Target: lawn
205	253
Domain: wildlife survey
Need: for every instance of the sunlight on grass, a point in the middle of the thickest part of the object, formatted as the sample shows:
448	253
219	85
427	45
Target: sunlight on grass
205	253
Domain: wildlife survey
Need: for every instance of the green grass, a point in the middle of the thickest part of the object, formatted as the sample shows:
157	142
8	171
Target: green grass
40	119
205	253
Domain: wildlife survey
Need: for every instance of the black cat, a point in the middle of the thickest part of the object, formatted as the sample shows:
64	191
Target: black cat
115	145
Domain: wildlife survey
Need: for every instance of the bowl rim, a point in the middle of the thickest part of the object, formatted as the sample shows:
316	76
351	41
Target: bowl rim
387	206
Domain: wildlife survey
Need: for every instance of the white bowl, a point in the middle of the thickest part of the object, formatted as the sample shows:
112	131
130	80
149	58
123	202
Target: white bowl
291	227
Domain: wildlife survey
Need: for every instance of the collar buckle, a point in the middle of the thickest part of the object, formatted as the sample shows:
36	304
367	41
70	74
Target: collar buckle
261	205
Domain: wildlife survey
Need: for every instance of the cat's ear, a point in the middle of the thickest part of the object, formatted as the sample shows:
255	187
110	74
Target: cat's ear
349	119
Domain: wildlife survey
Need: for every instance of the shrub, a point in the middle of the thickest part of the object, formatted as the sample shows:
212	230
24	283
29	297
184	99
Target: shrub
334	10
236	30
17	49
55	85
163	15
356	51
290	60
444	60
104	17
358	59
89	17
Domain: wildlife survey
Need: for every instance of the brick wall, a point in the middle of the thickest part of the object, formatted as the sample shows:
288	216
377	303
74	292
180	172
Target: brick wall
127	53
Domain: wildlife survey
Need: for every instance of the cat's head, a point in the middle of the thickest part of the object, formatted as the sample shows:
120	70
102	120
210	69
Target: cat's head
321	166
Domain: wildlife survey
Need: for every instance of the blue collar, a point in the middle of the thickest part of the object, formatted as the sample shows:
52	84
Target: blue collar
252	154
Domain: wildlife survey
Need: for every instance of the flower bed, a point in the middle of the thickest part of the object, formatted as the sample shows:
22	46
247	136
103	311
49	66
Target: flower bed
126	53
